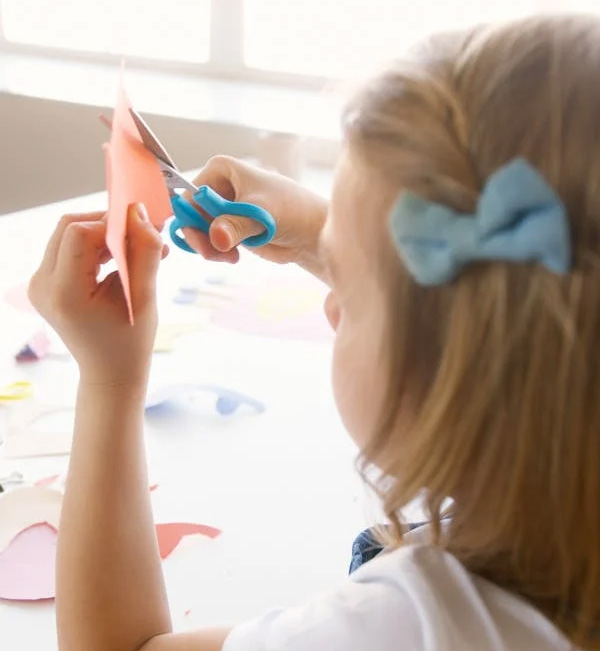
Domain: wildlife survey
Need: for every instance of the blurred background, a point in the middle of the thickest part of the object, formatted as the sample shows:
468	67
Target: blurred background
252	78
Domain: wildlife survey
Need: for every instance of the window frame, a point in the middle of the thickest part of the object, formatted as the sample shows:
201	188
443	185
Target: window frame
225	58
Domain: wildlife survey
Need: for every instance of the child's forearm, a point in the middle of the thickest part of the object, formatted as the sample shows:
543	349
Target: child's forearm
110	592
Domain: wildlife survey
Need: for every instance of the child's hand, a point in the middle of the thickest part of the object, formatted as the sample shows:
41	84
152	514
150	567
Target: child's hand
299	215
91	317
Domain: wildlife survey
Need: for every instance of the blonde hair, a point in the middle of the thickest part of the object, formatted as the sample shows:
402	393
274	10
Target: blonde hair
498	369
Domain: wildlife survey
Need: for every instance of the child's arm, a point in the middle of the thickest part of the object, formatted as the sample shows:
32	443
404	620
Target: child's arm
110	591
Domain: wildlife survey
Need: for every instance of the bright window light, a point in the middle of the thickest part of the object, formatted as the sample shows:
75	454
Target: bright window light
335	38
177	30
270	39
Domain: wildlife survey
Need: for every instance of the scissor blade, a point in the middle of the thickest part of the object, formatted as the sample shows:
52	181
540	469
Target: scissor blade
151	142
174	180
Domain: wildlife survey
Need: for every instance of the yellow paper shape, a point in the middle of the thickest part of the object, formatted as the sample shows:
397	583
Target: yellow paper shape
133	175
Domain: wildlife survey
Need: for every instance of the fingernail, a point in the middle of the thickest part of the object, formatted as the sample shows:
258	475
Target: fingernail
142	213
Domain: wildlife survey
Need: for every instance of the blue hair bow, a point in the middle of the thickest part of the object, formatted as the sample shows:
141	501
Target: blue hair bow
519	218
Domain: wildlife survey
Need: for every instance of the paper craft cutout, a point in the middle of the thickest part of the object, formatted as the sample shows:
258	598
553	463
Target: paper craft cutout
169	535
35	349
227	401
282	307
133	176
23	507
27	565
17	298
24	440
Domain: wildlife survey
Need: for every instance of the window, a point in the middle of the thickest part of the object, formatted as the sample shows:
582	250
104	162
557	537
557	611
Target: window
252	39
177	30
334	38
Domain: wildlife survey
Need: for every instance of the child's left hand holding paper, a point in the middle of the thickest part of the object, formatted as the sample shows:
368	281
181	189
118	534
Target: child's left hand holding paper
90	316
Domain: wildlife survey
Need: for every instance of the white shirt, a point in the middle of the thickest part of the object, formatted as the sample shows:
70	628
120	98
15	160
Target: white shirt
416	598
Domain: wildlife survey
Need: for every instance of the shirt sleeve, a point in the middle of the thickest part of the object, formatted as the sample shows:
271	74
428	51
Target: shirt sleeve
366	613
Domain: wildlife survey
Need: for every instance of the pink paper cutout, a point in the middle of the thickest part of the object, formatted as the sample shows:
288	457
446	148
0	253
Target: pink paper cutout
133	175
170	534
17	298
27	565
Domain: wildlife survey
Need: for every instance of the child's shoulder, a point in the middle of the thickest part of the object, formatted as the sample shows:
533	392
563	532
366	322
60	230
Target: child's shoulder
415	597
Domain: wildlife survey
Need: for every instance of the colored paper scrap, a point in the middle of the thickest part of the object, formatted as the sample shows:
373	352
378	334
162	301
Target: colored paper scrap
170	534
23	507
27	565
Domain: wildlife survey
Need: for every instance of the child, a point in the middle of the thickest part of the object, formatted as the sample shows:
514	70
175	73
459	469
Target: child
462	247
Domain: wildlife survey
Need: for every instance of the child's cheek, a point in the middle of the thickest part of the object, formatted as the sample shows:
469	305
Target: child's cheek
332	310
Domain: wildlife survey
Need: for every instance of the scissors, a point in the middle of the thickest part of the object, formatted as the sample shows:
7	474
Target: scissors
185	214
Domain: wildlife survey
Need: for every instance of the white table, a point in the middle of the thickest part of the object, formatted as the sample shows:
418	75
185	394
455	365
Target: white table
280	485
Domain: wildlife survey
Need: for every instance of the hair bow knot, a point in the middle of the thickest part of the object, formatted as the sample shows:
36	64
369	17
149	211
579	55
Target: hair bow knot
519	218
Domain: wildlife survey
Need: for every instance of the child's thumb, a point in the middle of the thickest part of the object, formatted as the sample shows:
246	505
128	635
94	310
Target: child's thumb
227	231
144	252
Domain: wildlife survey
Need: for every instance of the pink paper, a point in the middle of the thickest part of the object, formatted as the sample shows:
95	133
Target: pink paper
133	176
27	565
17	297
170	534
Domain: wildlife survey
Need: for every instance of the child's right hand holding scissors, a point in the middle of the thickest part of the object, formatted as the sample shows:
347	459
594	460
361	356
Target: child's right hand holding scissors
298	213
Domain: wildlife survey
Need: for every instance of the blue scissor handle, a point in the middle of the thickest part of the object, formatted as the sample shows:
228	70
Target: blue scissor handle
214	205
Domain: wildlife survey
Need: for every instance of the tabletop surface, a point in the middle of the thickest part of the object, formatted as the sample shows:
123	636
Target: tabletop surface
281	485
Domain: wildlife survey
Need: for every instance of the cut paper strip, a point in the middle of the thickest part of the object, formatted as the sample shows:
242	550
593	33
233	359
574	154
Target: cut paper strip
23	507
27	565
169	535
133	176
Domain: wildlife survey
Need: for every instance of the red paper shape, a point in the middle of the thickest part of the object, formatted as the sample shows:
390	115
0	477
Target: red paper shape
27	565
170	534
133	175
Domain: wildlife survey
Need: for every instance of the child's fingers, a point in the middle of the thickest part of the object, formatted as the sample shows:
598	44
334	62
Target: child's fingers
51	253
220	173
200	242
227	231
144	253
77	261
